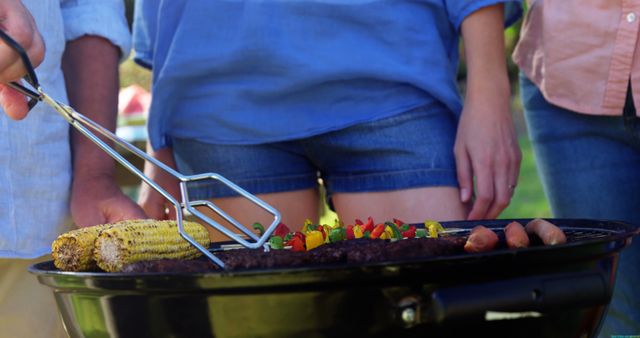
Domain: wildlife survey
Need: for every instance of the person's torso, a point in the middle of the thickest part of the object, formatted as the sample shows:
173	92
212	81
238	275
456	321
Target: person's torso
35	170
582	53
260	71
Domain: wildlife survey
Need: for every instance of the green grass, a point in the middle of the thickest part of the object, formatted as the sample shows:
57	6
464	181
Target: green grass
131	73
529	199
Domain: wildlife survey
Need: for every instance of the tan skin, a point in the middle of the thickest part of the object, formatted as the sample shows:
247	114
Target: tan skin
17	22
486	152
90	66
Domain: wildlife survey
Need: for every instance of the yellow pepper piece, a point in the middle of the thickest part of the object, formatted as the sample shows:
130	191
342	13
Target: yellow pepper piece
357	231
387	234
327	231
433	227
314	239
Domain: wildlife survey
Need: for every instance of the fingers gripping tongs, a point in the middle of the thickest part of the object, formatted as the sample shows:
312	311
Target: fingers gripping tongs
85	126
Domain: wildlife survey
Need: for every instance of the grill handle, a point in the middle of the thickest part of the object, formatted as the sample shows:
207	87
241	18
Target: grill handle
528	294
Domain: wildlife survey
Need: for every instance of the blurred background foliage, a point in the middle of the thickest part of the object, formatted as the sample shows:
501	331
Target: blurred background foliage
529	199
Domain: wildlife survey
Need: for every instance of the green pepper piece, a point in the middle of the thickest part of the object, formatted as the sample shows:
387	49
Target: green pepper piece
259	227
367	234
335	235
404	227
288	236
276	242
421	233
396	232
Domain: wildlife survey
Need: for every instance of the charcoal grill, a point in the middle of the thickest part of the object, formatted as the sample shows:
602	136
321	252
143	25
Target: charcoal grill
559	291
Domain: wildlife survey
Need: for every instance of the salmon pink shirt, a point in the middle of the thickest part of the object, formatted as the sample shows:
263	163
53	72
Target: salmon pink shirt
582	53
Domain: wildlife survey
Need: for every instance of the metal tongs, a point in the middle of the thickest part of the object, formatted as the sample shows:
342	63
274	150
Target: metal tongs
85	125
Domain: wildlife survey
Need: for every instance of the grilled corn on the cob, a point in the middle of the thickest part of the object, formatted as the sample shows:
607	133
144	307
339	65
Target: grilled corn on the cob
120	245
73	250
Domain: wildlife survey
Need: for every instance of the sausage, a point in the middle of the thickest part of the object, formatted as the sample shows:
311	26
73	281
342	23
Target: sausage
516	236
481	239
548	233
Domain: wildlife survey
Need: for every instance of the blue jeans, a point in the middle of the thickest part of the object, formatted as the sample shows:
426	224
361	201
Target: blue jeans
590	168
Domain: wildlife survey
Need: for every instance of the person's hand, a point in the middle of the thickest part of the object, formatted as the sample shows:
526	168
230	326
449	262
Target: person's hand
486	147
17	22
154	204
98	200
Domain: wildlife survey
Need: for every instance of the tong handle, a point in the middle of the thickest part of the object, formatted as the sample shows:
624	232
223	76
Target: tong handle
83	124
30	77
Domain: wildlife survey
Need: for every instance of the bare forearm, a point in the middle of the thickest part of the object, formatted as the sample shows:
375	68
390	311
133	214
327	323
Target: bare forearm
487	79
90	65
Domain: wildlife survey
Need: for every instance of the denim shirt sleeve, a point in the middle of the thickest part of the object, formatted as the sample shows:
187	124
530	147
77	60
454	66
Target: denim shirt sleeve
104	18
458	10
144	31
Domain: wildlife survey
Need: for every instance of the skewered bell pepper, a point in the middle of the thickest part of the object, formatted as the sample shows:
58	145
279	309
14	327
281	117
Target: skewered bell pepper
276	242
395	231
398	222
337	235
314	239
350	234
259	227
420	233
357	231
377	231
368	226
308	226
434	228
409	233
296	244
281	230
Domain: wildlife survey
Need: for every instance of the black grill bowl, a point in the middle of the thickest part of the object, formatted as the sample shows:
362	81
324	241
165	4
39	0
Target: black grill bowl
559	291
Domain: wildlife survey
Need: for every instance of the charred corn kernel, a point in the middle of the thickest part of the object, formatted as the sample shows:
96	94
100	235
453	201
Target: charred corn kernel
314	239
433	227
357	231
73	251
121	245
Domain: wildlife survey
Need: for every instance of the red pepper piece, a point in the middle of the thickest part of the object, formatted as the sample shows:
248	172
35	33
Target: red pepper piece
299	235
411	233
281	230
398	222
350	234
323	230
368	226
359	222
377	231
296	244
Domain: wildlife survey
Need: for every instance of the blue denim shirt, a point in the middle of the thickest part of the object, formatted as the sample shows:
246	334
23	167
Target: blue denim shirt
35	163
250	72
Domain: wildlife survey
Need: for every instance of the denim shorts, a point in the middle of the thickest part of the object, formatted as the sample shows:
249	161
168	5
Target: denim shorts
409	150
